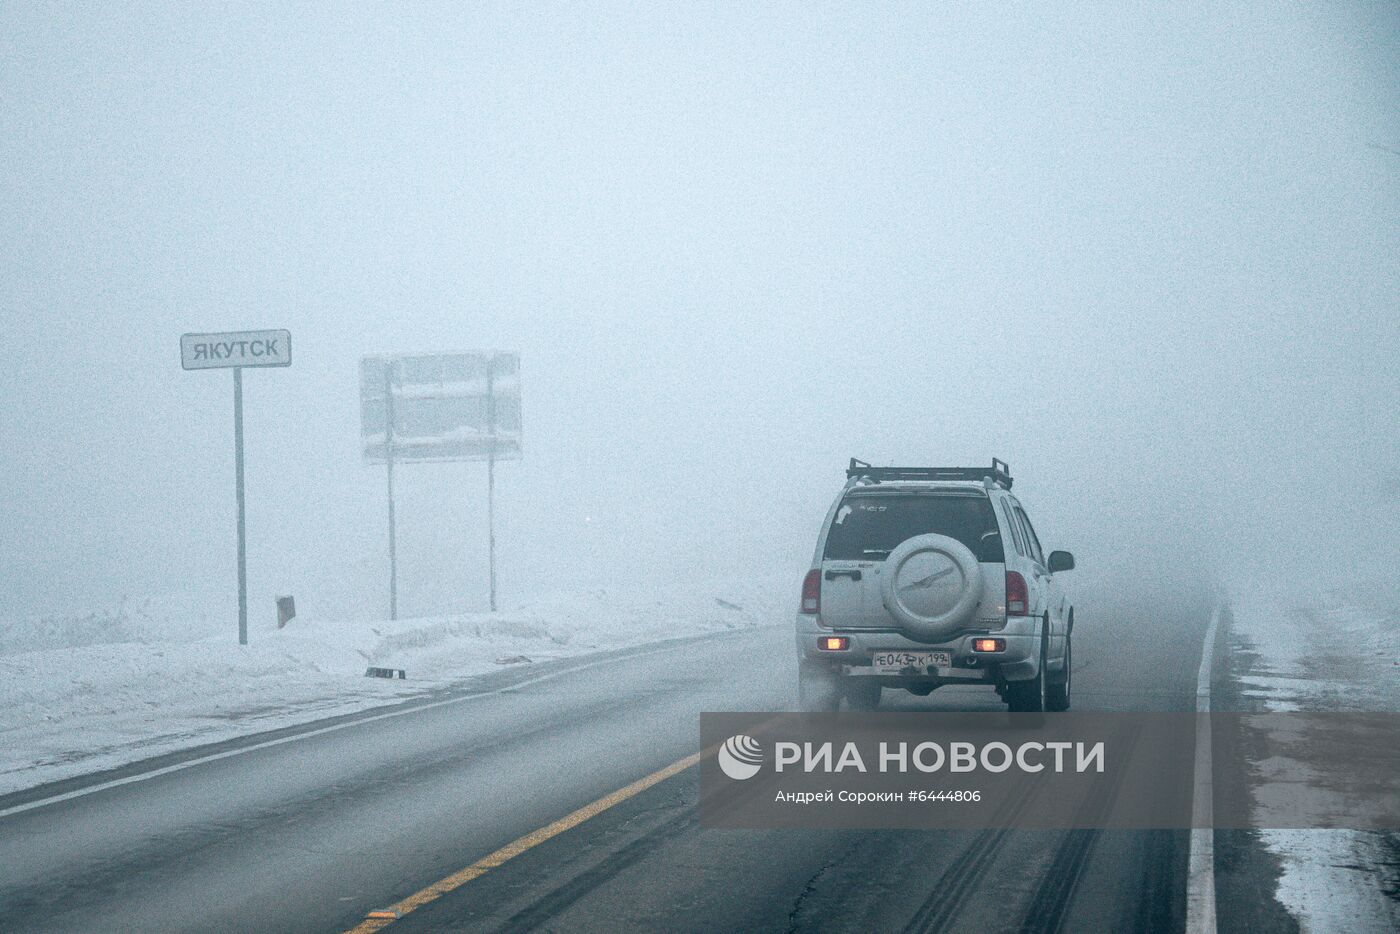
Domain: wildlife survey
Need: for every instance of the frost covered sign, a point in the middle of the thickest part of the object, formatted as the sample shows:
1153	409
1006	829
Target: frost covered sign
235	349
419	408
440	407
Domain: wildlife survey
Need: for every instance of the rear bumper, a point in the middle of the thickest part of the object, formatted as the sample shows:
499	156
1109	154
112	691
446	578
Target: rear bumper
1018	662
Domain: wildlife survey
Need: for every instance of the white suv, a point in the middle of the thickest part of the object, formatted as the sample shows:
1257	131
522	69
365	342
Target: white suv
926	576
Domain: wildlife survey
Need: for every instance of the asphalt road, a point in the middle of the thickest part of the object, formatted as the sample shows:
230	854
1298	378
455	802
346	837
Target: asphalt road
314	832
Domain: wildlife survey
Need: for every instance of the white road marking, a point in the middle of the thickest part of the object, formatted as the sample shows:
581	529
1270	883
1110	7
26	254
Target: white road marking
1200	874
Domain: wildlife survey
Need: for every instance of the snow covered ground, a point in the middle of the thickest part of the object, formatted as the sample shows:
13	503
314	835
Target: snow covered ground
84	693
1329	651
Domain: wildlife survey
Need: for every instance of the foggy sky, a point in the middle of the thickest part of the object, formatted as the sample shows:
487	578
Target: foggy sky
1146	255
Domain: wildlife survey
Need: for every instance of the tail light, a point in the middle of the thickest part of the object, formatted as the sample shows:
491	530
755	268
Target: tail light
1017	597
812	592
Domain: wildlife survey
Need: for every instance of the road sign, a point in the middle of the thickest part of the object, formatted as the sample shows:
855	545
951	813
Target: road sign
445	407
235	349
440	407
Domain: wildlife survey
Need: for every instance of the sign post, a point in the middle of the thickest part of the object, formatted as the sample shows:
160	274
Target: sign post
238	486
421	408
235	350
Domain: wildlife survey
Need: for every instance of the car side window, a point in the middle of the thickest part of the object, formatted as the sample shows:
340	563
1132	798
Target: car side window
1015	531
1029	532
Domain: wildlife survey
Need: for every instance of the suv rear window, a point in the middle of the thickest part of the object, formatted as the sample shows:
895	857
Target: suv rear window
868	527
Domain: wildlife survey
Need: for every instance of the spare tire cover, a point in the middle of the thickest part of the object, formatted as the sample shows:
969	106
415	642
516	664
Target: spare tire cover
931	584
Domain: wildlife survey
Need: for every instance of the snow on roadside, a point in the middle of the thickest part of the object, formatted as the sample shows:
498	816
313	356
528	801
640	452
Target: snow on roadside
130	685
1330	651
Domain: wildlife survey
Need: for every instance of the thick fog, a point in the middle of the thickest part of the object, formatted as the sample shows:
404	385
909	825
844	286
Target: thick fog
1147	256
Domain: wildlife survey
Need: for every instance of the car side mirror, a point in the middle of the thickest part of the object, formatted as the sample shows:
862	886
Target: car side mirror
1061	561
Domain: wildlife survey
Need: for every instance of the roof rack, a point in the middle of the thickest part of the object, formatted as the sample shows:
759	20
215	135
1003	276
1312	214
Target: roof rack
999	472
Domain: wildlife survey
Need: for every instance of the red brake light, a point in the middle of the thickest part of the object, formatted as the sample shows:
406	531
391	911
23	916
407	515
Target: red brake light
812	592
834	643
1017	598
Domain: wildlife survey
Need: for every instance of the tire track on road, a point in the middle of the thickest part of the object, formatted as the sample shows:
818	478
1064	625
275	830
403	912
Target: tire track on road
1055	892
952	888
561	898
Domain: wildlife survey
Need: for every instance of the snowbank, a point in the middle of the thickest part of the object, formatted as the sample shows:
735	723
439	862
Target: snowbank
98	691
1326	651
1334	650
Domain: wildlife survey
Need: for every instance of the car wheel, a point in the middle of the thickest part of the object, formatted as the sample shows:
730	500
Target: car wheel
862	693
931	585
1057	695
1029	696
817	690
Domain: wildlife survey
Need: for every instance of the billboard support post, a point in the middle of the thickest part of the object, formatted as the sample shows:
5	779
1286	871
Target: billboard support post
238	484
491	476
389	464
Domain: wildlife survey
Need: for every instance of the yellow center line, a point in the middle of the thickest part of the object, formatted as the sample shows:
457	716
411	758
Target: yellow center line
511	850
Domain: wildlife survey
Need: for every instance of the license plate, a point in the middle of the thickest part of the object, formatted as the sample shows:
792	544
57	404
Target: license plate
895	662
